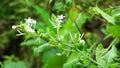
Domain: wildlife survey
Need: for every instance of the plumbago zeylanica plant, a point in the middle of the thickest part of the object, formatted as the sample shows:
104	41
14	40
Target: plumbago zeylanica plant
70	43
66	44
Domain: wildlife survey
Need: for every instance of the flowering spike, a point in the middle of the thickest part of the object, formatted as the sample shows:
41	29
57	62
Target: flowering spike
28	26
29	20
60	18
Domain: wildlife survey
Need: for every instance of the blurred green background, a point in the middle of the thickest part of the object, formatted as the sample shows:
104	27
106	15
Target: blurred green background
13	54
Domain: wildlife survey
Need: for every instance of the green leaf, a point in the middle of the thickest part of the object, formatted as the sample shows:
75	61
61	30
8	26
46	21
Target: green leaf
37	50
1	65
40	25
110	55
73	13
114	65
82	17
31	42
50	1
114	30
14	64
72	60
106	16
116	11
99	52
55	62
49	52
44	14
22	10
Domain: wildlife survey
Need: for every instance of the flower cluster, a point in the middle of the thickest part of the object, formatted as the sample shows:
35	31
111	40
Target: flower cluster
77	38
57	21
29	26
30	22
60	18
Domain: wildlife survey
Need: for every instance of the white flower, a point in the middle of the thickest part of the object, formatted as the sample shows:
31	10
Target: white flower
30	30
60	18
27	27
82	41
14	27
57	22
33	21
29	20
59	54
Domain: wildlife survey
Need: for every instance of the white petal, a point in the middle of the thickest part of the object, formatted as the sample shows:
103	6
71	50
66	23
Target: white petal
14	27
59	54
82	41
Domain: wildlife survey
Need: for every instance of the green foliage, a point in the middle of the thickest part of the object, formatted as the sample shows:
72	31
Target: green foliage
106	59
114	30
44	14
72	61
39	49
49	53
60	34
30	42
14	64
113	53
105	15
82	18
99	53
55	62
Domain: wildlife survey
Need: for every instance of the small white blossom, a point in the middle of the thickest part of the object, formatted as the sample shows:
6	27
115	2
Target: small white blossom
33	21
59	54
27	27
57	22
30	30
29	20
60	18
29	24
14	27
82	41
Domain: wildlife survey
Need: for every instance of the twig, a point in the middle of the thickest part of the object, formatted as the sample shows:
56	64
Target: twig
88	57
81	33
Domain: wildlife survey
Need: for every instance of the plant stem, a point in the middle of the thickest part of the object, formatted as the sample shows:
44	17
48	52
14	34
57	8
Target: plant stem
81	33
111	44
88	57
1	64
58	34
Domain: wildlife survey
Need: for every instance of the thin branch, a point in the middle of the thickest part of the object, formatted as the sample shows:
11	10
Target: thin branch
81	33
88	57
